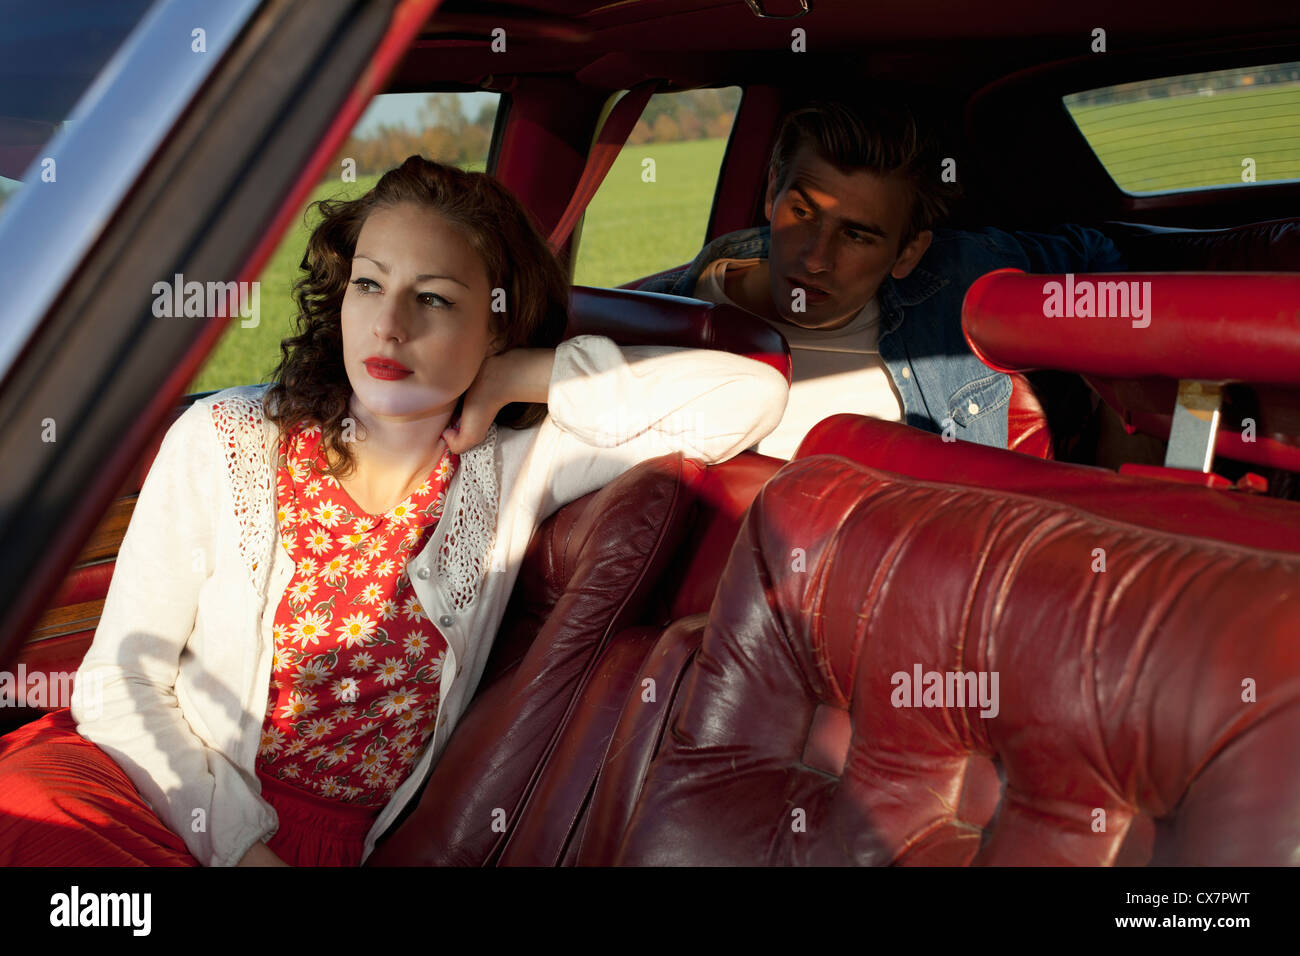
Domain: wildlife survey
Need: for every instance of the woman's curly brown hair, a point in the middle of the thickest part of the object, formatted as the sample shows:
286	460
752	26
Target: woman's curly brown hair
310	385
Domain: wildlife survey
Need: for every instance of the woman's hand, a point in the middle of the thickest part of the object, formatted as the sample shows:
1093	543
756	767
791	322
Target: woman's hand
519	375
259	854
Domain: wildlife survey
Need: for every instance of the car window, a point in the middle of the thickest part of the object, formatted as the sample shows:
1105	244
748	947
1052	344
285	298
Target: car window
1225	128
652	210
452	128
49	56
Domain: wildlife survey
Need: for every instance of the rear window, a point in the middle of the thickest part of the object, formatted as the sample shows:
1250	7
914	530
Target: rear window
1225	128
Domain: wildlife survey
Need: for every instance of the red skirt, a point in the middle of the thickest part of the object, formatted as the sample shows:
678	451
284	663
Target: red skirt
64	802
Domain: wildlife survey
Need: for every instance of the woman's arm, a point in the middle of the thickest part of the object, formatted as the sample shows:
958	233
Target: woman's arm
615	406
127	701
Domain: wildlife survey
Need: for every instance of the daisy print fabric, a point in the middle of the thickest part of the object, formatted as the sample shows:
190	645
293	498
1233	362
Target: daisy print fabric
358	663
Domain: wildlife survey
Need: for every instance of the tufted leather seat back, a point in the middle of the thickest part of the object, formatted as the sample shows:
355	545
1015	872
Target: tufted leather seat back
1141	714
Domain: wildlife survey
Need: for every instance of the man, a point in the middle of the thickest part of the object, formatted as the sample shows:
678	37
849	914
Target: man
864	288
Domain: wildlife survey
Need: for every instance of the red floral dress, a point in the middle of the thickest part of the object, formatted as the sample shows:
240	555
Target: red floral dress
358	664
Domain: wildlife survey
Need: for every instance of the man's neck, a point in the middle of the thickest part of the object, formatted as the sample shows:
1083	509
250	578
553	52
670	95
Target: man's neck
750	289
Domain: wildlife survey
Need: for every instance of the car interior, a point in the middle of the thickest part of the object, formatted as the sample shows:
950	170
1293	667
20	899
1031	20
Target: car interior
696	664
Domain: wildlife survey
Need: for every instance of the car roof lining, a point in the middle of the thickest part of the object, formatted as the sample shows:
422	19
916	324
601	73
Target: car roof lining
845	24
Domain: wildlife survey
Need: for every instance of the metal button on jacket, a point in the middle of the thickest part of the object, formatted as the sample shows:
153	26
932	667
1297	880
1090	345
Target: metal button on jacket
972	408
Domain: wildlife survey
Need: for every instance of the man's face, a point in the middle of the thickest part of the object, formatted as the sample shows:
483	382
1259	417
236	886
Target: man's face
836	236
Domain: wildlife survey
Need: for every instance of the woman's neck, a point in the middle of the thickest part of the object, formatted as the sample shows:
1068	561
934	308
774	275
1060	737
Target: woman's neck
394	458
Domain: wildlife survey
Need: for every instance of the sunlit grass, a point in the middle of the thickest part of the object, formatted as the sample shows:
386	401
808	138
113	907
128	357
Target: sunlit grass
1186	142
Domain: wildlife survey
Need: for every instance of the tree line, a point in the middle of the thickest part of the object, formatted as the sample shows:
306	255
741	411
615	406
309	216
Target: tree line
447	135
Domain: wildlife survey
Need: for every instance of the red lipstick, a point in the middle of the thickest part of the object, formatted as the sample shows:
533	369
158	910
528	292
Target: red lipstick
385	368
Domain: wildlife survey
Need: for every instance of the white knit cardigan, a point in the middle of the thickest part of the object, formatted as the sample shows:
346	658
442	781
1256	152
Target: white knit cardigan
177	680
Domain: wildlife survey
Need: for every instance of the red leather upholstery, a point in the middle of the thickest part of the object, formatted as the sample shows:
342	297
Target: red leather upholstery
1216	328
1027	430
650	318
721	493
1231	329
636	738
652	694
1120	733
1231	518
552	822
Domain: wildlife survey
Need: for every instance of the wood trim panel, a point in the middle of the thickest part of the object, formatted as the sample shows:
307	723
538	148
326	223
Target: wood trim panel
69	619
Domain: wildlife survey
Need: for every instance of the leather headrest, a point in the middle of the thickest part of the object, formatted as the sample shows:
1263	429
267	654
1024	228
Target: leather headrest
630	317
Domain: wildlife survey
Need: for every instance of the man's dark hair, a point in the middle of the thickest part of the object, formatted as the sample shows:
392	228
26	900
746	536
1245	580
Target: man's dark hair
882	139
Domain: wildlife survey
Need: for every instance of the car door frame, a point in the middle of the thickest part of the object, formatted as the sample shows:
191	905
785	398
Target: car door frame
96	369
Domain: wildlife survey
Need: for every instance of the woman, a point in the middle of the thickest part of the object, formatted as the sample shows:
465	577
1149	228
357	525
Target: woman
294	626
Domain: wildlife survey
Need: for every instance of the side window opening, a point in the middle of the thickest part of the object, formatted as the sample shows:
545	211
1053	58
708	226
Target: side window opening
652	210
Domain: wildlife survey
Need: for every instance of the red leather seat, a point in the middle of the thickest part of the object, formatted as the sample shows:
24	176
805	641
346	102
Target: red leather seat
1133	722
624	703
1144	404
1239	330
1027	430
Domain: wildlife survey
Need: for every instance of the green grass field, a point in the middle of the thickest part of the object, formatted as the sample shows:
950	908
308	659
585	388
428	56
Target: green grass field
634	228
1189	141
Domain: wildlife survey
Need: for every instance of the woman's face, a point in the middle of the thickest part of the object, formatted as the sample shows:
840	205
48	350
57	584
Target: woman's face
418	295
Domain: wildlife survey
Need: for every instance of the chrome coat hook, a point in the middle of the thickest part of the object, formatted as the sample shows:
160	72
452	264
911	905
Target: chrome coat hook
757	7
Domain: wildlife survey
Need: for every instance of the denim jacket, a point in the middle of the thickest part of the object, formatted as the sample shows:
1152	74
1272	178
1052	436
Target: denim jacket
921	342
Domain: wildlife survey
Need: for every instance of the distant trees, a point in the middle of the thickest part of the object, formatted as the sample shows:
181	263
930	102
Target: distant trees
1189	84
693	114
447	135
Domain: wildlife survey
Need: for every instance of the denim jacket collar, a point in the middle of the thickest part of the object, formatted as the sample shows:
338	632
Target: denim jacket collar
754	243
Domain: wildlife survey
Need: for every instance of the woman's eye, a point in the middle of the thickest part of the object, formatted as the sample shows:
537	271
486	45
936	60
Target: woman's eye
361	283
435	300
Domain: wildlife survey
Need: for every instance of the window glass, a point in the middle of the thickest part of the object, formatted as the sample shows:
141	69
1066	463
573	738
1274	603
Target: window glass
652	210
49	55
452	128
1226	128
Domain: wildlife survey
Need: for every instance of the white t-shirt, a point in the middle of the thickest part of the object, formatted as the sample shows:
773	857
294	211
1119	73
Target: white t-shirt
835	371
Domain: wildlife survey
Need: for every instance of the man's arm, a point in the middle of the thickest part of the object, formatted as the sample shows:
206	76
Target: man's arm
1070	248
